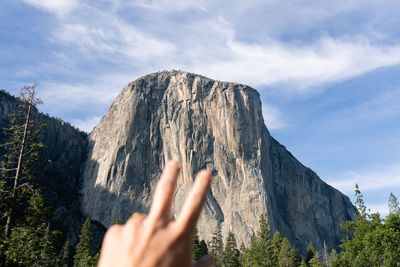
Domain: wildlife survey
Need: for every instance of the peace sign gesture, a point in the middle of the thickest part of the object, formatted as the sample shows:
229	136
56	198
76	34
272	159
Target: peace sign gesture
156	240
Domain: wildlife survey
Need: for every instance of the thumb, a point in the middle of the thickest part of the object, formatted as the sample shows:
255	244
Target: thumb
205	261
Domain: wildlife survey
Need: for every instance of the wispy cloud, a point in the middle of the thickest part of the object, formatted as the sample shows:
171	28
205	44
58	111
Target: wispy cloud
218	40
379	177
212	47
168	5
272	117
303	67
115	41
86	124
58	7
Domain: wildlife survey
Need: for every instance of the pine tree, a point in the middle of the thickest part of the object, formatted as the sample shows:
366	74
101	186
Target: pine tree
200	248
261	250
65	254
327	256
288	256
311	252
83	256
303	264
394	206
118	220
22	152
332	256
315	261
264	248
217	246
32	242
276	244
231	253
370	241
361	208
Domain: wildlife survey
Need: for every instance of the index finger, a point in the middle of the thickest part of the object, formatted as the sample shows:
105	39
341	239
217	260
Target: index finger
192	207
161	207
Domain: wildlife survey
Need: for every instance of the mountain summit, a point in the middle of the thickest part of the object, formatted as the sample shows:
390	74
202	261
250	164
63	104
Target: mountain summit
210	124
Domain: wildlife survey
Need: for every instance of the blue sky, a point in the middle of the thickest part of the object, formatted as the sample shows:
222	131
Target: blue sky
328	72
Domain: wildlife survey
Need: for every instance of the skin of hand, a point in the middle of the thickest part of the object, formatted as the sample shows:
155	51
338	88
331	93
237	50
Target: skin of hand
156	240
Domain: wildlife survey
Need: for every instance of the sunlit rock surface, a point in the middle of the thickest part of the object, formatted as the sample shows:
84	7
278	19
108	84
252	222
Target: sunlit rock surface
210	124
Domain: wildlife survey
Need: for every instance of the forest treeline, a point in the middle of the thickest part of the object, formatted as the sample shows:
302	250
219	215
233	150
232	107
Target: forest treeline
27	237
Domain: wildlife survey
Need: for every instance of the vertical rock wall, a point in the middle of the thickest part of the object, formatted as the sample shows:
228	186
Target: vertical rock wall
206	124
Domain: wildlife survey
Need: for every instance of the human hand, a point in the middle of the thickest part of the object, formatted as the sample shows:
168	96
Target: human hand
156	240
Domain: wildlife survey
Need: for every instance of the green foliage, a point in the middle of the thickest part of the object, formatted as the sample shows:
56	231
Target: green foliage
21	148
83	256
32	242
361	208
217	246
264	251
200	248
371	241
288	256
394	206
311	251
312	256
277	246
231	253
118	220
303	264
65	254
261	250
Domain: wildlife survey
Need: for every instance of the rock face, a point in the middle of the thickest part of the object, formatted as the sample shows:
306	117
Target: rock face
59	178
206	124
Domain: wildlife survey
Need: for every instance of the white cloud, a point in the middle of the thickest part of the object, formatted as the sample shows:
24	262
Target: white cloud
303	67
115	40
383	209
168	5
380	177
99	40
272	117
86	124
212	46
59	7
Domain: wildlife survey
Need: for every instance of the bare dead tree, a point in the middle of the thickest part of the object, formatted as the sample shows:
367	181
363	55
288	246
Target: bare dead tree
14	169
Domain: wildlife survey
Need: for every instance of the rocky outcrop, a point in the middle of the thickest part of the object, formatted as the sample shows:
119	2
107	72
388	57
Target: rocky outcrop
59	176
206	124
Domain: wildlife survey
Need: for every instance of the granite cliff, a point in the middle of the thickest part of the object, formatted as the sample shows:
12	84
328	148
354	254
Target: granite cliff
210	124
60	173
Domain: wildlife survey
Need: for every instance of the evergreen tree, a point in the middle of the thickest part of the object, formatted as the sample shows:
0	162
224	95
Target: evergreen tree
276	244
22	153
217	246
332	256
118	220
394	206
246	257
303	264
327	256
199	247
231	253
361	208
311	251
264	248
261	250
315	261
370	241
288	256
65	254
32	242
83	255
